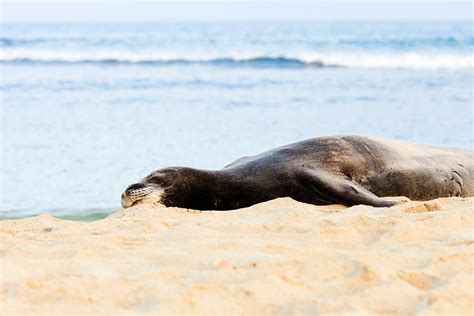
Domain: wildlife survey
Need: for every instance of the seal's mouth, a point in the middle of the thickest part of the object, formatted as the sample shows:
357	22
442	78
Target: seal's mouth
131	197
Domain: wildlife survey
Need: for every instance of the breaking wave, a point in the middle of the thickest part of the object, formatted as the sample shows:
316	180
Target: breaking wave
391	61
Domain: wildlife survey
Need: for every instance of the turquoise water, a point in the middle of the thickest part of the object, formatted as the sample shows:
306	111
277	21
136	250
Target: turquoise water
89	108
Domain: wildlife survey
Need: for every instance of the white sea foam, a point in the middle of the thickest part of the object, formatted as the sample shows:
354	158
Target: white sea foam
408	60
403	60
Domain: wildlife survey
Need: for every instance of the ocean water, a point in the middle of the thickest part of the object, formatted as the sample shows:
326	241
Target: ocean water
89	108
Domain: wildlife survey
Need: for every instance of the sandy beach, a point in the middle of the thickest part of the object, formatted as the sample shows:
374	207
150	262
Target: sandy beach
274	258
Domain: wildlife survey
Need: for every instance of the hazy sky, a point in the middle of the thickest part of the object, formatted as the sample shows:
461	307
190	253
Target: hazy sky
108	10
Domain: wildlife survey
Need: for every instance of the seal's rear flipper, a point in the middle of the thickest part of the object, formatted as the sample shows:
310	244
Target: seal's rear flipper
337	189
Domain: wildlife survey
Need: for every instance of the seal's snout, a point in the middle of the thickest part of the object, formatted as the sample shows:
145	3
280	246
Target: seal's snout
133	187
134	193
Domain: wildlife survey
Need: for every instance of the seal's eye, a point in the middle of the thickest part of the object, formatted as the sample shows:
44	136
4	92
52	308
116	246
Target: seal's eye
162	177
155	179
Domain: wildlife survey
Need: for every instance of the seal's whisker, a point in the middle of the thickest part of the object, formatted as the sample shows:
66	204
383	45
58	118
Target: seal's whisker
141	192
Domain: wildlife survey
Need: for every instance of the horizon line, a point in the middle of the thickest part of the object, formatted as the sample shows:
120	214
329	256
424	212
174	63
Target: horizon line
414	20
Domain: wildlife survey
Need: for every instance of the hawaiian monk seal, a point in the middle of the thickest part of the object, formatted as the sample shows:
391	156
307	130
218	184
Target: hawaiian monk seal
347	170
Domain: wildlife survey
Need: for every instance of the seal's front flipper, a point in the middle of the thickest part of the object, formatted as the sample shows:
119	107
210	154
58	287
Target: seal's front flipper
337	189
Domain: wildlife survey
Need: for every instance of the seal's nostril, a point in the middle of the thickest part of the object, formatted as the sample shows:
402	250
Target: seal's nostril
134	186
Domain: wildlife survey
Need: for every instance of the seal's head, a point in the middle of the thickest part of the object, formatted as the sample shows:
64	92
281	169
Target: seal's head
151	187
